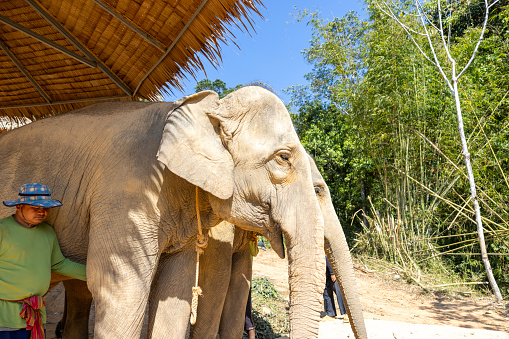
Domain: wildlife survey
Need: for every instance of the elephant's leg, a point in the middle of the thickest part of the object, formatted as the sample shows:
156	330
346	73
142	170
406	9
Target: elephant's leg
59	329
234	310
215	271
171	293
77	309
121	262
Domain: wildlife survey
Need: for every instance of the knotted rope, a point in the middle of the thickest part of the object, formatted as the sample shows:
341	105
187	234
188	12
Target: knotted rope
201	243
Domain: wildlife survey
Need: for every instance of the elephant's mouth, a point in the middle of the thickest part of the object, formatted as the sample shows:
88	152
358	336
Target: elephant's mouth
275	237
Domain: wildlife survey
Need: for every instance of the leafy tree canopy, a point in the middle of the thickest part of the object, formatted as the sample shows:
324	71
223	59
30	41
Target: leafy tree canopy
381	126
217	86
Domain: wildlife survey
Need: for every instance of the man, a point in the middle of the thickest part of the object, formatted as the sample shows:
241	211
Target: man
29	250
331	287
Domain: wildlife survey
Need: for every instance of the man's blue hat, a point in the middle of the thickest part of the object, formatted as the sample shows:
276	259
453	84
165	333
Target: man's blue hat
35	195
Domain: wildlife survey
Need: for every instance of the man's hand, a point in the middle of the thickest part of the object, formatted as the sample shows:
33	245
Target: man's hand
333	278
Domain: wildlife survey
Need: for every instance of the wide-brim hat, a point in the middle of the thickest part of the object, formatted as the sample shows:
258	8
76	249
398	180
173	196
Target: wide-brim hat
35	195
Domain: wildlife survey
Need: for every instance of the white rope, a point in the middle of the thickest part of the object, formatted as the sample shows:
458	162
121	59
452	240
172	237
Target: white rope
201	243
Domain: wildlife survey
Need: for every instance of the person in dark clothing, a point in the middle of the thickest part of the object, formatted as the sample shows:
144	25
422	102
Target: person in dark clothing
249	326
331	287
249	322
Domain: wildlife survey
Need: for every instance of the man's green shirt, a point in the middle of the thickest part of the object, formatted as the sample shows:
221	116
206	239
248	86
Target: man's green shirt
27	256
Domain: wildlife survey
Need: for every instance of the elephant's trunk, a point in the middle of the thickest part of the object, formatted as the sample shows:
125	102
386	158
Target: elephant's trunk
306	275
337	251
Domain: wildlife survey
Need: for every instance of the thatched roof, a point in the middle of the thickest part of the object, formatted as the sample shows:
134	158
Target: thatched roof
59	55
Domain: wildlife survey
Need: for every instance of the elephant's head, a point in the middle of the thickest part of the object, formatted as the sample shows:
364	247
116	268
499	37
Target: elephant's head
243	150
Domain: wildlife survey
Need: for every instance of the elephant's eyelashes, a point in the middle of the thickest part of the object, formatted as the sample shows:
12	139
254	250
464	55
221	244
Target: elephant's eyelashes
283	157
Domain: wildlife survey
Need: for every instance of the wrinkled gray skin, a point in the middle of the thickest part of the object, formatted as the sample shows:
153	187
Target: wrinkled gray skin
127	174
225	261
225	274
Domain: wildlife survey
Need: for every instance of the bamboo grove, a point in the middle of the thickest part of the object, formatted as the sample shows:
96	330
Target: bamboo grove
382	128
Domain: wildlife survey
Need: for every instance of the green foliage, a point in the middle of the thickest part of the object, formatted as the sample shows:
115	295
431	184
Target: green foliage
217	86
264	288
459	16
270	311
265	241
381	125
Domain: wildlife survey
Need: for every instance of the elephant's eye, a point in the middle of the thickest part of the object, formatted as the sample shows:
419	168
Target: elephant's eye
283	156
318	190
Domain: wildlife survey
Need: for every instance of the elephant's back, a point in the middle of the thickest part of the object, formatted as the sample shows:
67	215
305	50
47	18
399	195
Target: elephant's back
99	126
98	140
107	116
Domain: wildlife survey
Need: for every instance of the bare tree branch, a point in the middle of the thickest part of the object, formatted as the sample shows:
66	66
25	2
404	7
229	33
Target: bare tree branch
446	46
430	43
494	2
478	41
393	16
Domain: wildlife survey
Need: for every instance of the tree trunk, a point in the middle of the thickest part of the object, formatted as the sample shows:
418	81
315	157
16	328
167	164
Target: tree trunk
473	194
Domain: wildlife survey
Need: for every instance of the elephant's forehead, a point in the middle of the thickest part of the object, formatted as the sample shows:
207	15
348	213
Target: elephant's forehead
259	145
269	127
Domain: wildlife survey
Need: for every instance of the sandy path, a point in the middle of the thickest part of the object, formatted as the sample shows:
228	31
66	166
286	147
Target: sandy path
397	310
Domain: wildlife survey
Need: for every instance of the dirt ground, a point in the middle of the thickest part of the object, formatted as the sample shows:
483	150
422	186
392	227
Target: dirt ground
390	305
392	309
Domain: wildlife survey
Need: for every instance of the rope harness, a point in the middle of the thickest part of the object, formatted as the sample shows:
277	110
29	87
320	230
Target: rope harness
201	243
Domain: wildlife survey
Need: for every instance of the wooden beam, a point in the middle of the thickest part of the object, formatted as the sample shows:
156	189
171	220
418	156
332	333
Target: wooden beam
45	41
129	24
25	72
42	12
67	102
98	63
171	46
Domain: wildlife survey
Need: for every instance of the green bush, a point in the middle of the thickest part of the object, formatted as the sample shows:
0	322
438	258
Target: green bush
270	310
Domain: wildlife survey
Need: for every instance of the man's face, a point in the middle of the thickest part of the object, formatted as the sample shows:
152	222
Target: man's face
32	214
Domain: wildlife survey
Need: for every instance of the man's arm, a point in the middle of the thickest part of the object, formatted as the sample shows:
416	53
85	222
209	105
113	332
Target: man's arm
70	268
330	272
64	266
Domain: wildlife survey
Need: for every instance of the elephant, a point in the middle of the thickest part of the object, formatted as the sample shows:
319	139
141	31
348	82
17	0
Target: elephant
132	175
77	305
225	261
225	277
225	274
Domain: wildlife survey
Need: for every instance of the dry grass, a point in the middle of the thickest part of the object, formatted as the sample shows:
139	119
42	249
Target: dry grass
120	50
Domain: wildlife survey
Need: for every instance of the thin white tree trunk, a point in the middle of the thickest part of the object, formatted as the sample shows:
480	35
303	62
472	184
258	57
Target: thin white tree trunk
453	86
473	192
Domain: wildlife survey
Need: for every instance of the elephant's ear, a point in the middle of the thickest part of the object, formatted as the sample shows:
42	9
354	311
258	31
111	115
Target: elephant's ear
191	146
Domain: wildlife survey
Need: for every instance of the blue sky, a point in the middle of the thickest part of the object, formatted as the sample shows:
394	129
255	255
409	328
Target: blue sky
272	54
